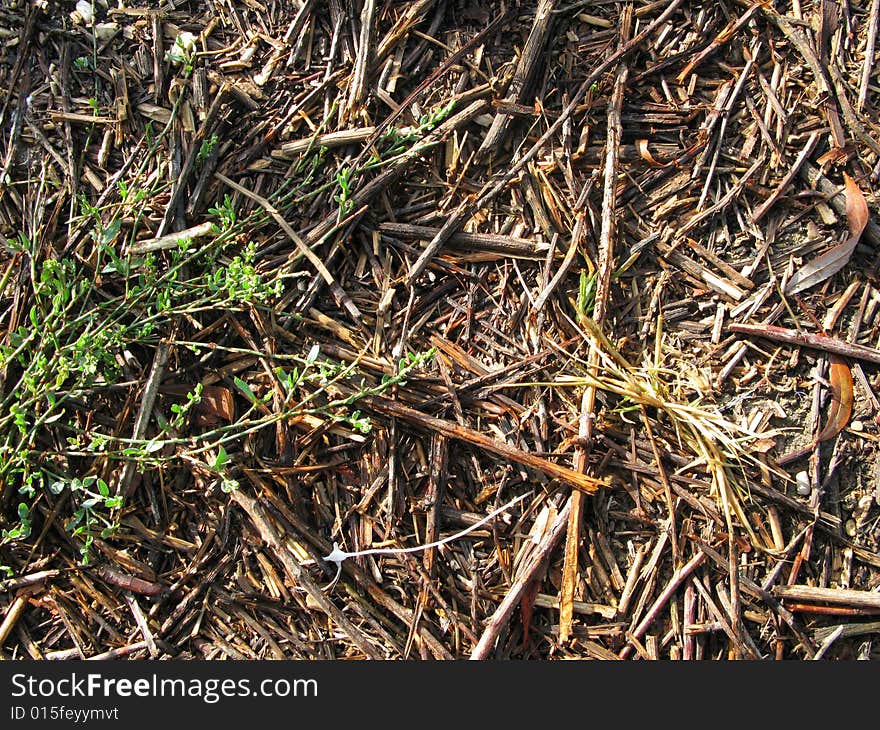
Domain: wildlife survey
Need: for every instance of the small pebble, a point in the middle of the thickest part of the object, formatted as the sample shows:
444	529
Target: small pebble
850	528
857	426
803	484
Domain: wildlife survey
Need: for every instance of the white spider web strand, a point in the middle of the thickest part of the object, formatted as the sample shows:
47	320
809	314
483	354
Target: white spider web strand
337	555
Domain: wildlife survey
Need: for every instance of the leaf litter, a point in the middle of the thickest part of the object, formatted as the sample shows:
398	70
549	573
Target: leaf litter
832	261
438	330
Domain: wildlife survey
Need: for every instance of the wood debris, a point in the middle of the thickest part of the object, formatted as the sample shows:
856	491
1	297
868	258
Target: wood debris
281	277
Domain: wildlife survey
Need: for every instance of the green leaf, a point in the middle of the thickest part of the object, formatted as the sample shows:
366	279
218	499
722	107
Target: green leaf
154	446
246	389
108	235
221	460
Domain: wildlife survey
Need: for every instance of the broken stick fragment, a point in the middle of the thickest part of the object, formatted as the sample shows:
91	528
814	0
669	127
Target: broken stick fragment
388	407
814	341
531	54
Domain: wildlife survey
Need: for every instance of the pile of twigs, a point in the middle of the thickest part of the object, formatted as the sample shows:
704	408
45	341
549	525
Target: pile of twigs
284	279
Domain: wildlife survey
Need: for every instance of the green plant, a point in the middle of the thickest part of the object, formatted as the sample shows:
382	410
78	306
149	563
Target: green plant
21	531
225	211
397	141
586	293
180	411
206	149
227	483
344	180
182	50
65	363
241	282
91	496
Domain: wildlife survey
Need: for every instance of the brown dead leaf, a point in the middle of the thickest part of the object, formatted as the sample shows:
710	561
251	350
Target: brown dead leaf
840	410
833	260
216	404
540	529
645	154
856	207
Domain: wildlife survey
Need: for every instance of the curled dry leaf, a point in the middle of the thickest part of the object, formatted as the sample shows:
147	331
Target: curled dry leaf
836	258
840	379
856	208
645	154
